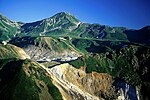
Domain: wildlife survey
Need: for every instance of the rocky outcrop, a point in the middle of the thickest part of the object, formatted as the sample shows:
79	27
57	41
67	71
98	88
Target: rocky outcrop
46	48
75	84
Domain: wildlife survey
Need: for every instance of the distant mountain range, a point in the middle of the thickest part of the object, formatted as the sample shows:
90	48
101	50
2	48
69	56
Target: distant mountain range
65	24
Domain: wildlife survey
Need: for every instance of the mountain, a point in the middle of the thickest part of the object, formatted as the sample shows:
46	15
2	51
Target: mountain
26	79
91	77
129	64
65	24
60	23
22	78
61	57
139	36
8	28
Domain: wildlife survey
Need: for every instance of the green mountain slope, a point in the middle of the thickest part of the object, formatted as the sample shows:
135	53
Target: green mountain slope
8	28
21	78
130	64
61	23
26	80
65	24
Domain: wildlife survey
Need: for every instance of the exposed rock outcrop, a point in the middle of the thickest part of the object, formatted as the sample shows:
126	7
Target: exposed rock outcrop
46	48
75	84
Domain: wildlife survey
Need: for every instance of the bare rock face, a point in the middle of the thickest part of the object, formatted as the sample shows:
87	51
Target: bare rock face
47	48
75	84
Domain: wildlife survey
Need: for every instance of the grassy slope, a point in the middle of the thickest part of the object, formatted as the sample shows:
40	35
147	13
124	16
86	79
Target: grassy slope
23	79
7	31
123	63
27	80
11	51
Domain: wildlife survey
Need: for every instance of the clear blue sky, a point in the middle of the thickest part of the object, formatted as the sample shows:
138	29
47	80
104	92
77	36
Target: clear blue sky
128	13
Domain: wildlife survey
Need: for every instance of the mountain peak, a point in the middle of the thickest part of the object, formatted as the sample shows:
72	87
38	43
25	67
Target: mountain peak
63	13
65	16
